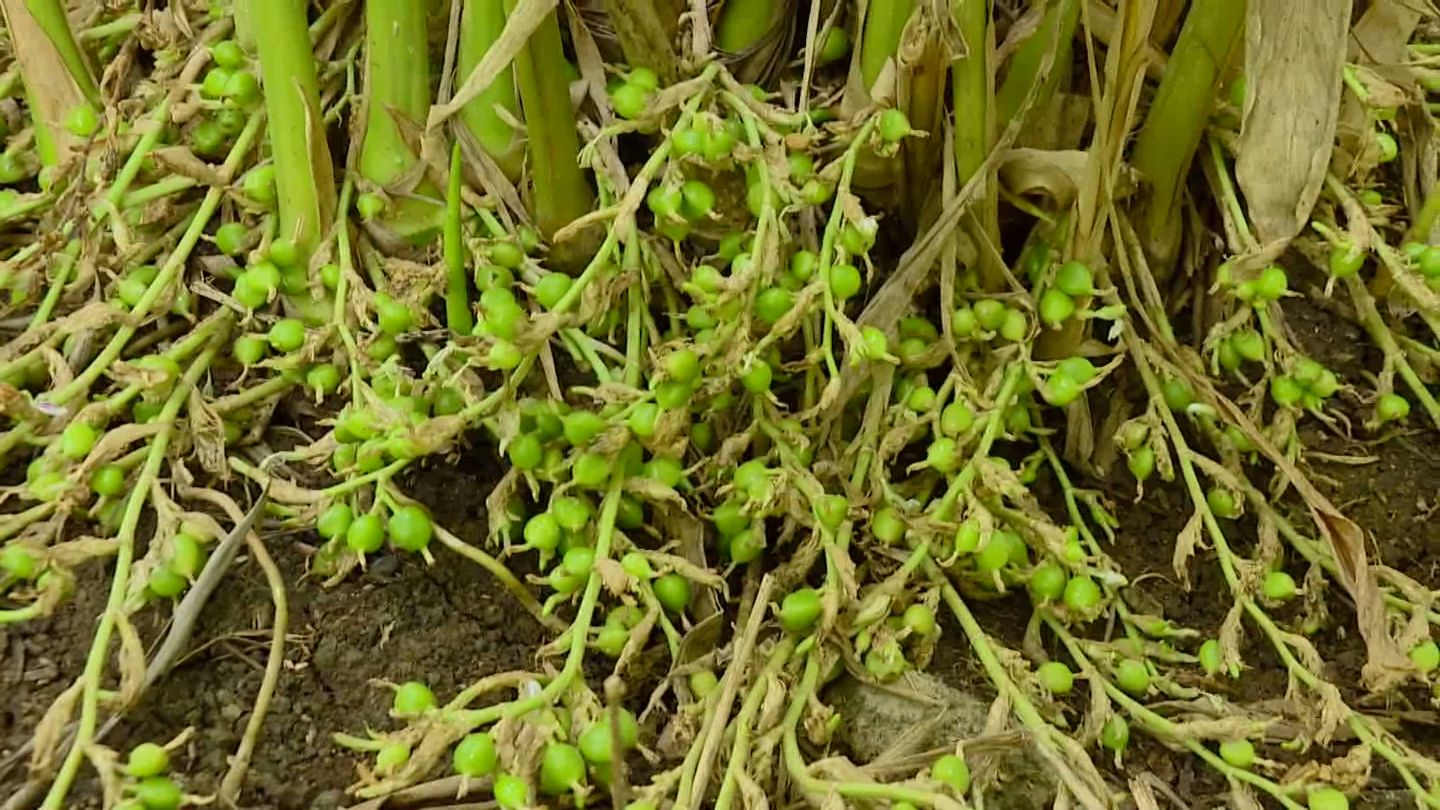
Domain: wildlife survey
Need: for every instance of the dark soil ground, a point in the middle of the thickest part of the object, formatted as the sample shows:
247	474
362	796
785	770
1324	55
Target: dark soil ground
450	623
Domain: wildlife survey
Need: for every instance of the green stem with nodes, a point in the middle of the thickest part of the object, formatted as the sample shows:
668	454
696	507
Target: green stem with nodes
884	25
125	555
457	287
559	192
1058	28
304	178
397	84
1178	117
481	22
172	267
1160	726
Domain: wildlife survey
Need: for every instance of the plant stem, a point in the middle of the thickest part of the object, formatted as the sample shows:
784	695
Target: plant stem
743	23
972	93
457	289
304	178
57	79
1177	119
646	30
880	41
481	22
559	192
1057	29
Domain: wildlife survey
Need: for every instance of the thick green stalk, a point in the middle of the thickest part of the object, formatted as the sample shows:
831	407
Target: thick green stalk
884	24
481	22
559	192
397	83
974	120
1058	28
1178	117
304	178
743	22
50	15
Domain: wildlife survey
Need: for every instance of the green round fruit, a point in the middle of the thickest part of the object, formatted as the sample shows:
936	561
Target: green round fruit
1238	753
800	610
673	592
147	759
1056	677
412	698
950	770
475	755
562	767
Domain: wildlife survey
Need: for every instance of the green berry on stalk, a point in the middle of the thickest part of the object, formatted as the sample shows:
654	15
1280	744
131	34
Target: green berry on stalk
391	758
919	619
644	419
1238	753
1210	656
950	770
1271	284
835	47
1429	262
393	317
242	88
166	583
800	166
1327	798
590	471
19	562
77	439
511	792
1391	408
215	81
629	100
989	313
1387	146
1346	260
1141	463
147	759
334	521
259	184
689	141
1056	307
287	335
757	378
1047	582
816	191
671	395
108	480
943	456
370	206
1082	593
673	592
562	767
231	237
1425	656
1133	676
994	555
1250	344
228	54
581	426
1055	677
773	303
799	610
1222	503
187	556
1115	734
956	419
366	534
893	125
858	237
921	399
1075	279
83	121
158	793
475	755
1178	394
697	200
718	145
845	281
410	528
1061	390
412	698
1014	326
1278	586
1286	391
526	451
887	526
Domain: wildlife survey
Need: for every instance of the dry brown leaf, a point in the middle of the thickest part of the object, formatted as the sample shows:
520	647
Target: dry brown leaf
1293	66
1185	545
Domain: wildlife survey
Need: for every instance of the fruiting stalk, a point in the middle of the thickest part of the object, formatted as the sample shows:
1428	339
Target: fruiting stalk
481	22
304	178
